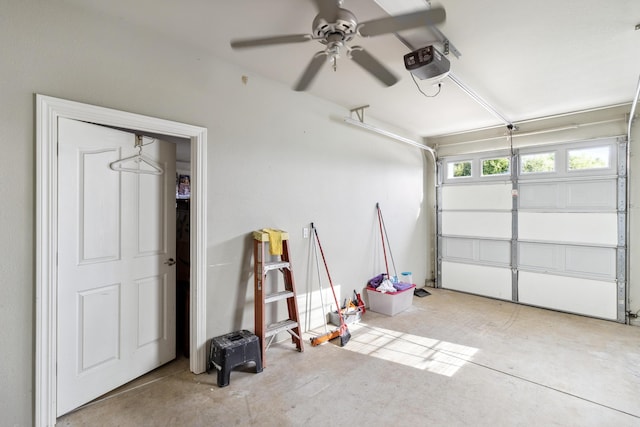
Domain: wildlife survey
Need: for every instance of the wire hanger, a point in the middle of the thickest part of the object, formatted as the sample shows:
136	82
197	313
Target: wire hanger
139	159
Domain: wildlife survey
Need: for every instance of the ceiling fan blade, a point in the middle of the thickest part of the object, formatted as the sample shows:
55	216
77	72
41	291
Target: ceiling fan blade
393	24
266	41
312	70
373	66
328	9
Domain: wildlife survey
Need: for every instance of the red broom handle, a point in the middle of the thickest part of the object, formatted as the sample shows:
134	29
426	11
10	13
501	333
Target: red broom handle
326	267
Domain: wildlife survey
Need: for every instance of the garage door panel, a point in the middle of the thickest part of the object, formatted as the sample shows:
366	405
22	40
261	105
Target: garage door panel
591	195
538	196
495	251
476	250
591	261
477	224
571	294
585	228
479	197
493	282
539	256
462	249
584	261
568	195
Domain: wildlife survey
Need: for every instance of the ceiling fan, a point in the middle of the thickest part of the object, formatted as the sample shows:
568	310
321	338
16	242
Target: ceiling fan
334	27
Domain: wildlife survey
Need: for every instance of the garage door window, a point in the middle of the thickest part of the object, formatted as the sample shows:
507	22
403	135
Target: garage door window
589	158
459	169
496	166
538	163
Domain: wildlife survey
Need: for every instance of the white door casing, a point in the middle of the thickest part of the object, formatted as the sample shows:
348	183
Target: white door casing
48	111
116	268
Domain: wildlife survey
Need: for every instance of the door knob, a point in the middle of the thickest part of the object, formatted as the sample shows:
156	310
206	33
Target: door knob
170	261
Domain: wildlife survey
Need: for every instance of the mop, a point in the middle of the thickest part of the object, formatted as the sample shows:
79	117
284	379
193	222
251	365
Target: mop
417	292
342	332
324	314
383	236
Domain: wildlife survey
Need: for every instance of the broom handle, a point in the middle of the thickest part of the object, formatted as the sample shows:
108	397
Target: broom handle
335	298
315	253
393	262
384	250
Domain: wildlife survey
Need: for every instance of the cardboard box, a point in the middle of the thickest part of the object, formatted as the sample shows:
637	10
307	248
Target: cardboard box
390	303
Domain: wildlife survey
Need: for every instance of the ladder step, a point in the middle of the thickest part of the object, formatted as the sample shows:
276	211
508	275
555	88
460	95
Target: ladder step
276	265
283	325
277	296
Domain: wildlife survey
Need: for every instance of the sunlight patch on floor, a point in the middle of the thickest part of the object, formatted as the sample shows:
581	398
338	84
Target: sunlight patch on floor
437	356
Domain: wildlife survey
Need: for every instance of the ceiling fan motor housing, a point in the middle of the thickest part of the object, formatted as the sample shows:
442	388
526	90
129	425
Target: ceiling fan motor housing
344	23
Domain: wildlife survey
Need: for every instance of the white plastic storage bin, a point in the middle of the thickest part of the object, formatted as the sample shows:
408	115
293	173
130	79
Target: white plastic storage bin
390	303
349	317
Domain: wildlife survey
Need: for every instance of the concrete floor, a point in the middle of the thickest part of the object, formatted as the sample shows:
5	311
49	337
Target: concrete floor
451	359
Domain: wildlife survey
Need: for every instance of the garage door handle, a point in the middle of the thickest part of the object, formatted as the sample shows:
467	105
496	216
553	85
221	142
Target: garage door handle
170	261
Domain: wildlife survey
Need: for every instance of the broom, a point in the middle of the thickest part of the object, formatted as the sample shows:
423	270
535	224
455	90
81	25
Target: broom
342	332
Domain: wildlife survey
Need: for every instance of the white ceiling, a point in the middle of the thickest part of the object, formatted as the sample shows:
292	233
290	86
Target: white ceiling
528	59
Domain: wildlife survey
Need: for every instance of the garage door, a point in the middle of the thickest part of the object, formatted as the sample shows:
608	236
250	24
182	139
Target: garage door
543	226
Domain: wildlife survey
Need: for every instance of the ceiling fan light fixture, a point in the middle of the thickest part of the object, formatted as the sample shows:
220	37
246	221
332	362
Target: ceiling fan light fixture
333	52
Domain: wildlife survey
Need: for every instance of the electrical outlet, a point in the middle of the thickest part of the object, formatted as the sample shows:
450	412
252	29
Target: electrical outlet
305	232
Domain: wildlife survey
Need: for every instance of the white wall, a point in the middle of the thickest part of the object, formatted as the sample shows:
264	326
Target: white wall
276	158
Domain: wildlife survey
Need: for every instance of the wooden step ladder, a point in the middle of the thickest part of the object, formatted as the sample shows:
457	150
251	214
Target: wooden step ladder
263	264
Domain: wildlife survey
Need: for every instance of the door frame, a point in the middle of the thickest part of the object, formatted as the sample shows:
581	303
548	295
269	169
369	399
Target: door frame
48	110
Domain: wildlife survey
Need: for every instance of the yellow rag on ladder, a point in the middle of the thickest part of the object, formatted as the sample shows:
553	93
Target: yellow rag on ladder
275	240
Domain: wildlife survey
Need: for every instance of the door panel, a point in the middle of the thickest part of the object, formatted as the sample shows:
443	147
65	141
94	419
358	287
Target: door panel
477	224
585	261
116	291
99	235
477	250
572	294
99	337
478	197
494	282
152	310
576	196
564	227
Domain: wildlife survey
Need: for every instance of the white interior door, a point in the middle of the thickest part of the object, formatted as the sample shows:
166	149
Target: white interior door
116	280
